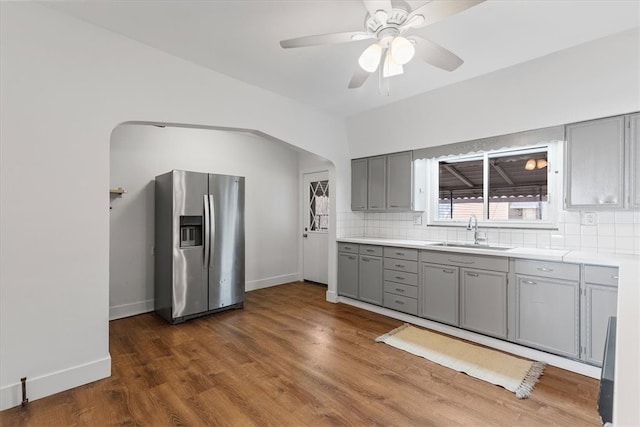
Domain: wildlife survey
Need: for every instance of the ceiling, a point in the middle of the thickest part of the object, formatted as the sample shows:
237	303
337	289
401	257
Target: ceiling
240	38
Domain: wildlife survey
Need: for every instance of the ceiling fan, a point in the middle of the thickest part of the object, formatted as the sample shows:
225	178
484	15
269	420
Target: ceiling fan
386	22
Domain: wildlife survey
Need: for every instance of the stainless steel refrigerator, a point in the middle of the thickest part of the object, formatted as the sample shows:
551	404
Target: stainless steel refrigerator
199	244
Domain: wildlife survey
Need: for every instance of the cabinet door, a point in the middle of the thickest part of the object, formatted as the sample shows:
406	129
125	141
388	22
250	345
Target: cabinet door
634	156
376	189
359	185
483	302
399	188
547	314
601	303
595	164
439	293
370	279
348	275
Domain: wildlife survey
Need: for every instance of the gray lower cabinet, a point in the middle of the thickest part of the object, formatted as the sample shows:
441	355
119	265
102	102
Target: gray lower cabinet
401	279
370	274
348	270
439	297
547	306
600	301
483	302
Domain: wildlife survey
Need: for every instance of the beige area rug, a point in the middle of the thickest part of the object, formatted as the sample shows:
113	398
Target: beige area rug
514	374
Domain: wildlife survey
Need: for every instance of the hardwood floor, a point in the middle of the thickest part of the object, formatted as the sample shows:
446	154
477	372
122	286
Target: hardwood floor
289	358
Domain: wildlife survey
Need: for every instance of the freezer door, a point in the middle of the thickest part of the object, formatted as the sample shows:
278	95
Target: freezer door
226	271
189	294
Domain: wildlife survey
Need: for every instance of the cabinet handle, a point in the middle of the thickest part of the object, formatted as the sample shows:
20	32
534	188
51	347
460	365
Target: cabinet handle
614	277
400	265
394	206
399	290
352	257
545	269
399	278
473	274
446	270
365	259
400	253
461	262
374	207
370	250
348	248
529	282
400	302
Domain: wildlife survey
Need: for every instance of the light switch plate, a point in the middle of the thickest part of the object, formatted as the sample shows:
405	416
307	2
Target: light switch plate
417	220
589	218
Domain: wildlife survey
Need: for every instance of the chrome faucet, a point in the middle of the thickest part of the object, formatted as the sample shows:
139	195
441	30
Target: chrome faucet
474	227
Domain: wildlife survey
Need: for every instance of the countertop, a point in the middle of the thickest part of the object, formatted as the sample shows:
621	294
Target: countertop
580	257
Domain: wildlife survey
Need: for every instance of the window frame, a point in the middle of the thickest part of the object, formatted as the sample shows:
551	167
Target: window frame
554	187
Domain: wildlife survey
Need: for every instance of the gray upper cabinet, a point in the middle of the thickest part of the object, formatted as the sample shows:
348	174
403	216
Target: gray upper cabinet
376	190
399	181
595	164
634	158
386	184
359	184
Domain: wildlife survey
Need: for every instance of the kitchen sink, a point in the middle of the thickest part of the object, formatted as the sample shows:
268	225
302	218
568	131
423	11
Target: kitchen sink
471	246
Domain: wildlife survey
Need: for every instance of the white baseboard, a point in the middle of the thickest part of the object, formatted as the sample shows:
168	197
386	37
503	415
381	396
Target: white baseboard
132	309
332	297
509	347
271	281
55	382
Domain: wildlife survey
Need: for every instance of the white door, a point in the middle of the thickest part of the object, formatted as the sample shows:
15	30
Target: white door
315	211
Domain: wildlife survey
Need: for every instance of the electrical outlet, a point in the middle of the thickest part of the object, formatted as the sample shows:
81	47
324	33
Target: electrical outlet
589	218
417	220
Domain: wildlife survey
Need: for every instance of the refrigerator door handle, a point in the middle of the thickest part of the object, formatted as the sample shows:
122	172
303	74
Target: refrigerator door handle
207	243
212	228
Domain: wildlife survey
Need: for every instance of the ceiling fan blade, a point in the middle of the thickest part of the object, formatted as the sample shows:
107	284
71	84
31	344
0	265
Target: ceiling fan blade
359	77
375	5
436	55
320	39
437	10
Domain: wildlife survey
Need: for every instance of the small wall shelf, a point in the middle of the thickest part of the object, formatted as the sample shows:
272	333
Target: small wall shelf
117	191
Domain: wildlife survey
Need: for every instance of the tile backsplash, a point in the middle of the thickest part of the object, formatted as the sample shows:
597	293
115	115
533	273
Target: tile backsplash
613	232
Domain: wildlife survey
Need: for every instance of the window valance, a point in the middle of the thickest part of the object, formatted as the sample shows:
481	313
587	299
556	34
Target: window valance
519	139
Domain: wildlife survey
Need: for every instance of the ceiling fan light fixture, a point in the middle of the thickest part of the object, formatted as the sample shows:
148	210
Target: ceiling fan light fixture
370	58
402	50
390	67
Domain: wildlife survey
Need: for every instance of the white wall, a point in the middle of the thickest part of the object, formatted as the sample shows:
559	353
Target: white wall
592	80
139	153
597	79
65	86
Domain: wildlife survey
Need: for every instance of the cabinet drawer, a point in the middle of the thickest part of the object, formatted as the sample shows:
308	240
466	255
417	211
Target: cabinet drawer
401	277
400	289
601	275
348	247
553	270
401	265
371	250
465	260
400	303
401	253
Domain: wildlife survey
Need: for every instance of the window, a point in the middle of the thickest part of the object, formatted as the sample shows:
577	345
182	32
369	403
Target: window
319	205
503	186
